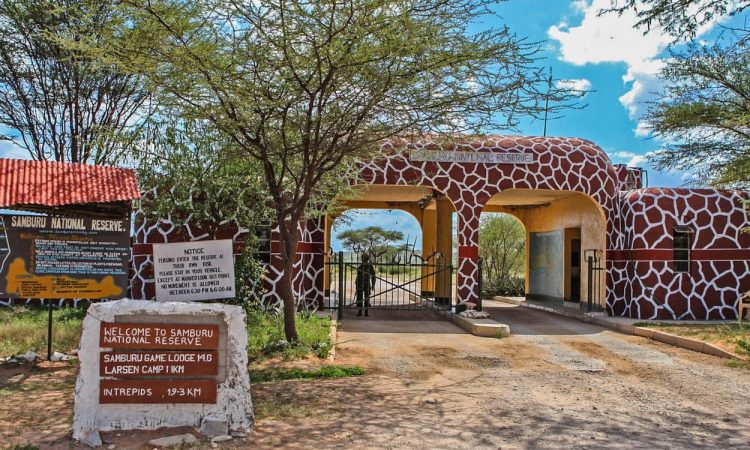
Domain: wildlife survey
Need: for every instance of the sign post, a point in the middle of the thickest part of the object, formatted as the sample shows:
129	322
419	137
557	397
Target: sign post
60	257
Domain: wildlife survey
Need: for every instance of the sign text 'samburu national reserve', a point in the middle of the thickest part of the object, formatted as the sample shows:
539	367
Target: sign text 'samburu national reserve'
63	257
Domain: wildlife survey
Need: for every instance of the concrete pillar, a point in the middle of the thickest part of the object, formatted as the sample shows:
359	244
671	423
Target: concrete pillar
429	245
444	240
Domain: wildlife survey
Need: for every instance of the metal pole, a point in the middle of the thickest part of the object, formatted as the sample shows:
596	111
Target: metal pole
49	330
479	284
341	286
590	270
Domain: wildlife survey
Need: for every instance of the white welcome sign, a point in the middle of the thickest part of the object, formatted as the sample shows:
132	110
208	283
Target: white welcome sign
471	157
187	271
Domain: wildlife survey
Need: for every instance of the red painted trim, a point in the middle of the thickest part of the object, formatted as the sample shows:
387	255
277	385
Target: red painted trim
468	251
302	247
665	254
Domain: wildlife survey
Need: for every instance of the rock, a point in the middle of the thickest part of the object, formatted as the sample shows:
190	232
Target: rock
68	357
233	393
112	447
214	445
57	356
474	314
212	427
92	439
238	434
431	400
30	356
222	438
173	441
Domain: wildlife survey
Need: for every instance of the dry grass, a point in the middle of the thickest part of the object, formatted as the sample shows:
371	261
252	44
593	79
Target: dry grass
733	335
24	328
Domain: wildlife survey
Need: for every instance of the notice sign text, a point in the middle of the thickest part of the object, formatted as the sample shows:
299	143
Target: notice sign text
186	271
56	257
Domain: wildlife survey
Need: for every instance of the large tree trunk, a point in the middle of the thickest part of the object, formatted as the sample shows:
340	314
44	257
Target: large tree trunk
285	287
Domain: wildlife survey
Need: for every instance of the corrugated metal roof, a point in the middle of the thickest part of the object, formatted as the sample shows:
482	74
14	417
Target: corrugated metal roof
47	183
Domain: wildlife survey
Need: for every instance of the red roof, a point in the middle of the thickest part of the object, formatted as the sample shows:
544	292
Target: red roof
47	183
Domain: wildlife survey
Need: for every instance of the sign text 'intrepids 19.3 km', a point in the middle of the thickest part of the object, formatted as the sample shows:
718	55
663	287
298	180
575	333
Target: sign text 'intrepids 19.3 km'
57	257
158	363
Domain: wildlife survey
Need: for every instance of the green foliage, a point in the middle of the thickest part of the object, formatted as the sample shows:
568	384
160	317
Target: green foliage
266	335
198	177
280	374
502	247
509	286
25	328
680	18
249	274
370	239
55	101
703	113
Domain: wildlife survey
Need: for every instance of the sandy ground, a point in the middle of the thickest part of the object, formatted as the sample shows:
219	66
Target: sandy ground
556	383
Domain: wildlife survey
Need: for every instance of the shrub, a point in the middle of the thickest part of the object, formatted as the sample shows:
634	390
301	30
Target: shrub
266	335
510	286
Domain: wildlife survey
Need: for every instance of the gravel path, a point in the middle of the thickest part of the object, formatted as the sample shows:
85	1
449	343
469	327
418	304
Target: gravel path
556	383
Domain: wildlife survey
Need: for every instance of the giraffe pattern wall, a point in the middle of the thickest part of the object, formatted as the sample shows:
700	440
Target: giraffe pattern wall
640	281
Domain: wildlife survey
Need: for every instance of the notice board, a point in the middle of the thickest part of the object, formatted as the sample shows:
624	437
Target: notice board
56	257
187	271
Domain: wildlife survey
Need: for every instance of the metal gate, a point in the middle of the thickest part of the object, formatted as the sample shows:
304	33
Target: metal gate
388	280
595	279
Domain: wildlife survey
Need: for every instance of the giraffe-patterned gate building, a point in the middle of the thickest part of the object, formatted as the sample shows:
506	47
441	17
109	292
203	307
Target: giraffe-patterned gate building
665	253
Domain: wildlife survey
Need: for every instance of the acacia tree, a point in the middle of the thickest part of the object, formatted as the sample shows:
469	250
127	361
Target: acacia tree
304	87
371	239
703	113
56	102
680	18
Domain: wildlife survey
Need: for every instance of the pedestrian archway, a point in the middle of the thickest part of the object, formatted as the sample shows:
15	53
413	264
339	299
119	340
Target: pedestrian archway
413	274
565	241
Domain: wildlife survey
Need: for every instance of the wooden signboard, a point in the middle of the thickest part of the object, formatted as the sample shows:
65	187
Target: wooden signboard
158	363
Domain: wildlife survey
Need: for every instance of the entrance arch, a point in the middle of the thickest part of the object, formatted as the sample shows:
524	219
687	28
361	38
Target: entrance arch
432	263
563	228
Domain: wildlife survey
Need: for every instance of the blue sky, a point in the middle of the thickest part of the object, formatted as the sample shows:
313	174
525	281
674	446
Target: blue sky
604	54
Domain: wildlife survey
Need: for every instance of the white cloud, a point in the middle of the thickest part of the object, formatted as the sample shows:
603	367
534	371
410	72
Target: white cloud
606	38
631	159
579	5
576	84
11	150
613	38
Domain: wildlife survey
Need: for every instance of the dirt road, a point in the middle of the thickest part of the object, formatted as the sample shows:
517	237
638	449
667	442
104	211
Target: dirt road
556	383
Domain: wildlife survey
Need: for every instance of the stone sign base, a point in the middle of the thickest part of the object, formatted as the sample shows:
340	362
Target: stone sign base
122	385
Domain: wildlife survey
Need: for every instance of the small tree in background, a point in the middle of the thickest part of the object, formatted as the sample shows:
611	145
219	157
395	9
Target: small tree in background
373	239
502	246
